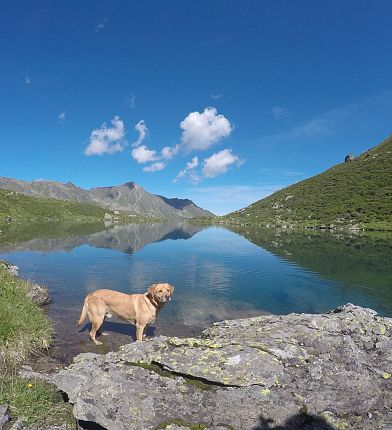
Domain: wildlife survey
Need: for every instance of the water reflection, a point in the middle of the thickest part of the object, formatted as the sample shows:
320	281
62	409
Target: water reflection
357	259
218	274
66	237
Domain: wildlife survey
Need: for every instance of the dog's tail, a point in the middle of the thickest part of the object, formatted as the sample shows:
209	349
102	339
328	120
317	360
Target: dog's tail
83	315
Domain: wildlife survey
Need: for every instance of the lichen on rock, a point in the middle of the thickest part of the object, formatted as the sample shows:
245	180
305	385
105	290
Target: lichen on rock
332	368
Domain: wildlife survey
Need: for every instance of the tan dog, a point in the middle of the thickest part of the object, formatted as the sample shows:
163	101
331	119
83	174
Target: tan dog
138	309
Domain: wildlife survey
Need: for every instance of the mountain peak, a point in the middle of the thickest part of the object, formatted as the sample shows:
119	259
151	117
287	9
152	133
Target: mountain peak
128	198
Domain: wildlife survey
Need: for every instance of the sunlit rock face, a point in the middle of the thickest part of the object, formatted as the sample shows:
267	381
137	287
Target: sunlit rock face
271	372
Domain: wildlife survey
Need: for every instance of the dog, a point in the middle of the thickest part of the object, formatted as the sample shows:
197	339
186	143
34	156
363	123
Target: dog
138	309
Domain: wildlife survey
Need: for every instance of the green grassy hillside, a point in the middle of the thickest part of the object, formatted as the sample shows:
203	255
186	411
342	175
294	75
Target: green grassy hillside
356	193
22	208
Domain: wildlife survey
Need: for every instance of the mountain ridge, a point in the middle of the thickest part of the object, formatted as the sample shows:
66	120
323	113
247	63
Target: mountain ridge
129	198
356	194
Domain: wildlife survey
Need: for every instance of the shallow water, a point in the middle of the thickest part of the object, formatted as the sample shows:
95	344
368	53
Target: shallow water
217	273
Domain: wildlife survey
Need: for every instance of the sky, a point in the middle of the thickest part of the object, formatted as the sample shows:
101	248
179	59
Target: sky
219	101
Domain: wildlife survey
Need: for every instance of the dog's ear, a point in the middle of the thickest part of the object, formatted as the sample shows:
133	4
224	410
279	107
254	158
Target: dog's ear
151	289
171	289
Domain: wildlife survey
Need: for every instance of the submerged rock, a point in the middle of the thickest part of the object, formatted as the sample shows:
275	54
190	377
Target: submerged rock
330	371
10	268
38	294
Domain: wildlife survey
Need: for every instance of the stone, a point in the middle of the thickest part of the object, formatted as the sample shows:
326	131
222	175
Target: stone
39	294
328	371
348	158
20	425
4	417
11	268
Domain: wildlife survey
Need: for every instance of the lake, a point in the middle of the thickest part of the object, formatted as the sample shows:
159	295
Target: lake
217	273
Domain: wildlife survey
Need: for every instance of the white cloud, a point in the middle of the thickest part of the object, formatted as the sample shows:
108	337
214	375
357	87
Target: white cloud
62	117
160	165
219	163
142	129
27	80
168	152
144	155
141	153
189	170
213	166
101	25
200	132
107	140
203	130
216	96
193	163
280	113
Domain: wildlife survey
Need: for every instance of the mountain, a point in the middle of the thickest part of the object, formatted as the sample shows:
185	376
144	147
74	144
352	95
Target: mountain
20	207
353	194
128	197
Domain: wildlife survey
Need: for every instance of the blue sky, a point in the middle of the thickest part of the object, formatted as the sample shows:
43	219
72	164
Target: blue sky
222	102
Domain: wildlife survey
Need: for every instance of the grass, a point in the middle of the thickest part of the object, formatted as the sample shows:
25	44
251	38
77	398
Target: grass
354	193
25	330
35	401
24	327
22	208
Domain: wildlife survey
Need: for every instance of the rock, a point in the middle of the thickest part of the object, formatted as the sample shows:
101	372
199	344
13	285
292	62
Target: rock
348	158
39	294
329	371
11	268
4	417
19	425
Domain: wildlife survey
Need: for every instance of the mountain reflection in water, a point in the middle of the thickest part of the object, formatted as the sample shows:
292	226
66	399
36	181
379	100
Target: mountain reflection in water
218	273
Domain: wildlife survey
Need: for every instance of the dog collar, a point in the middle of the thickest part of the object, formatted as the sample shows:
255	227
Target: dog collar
153	302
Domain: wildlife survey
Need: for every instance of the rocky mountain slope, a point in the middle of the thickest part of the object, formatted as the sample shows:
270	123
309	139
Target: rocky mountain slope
128	197
353	194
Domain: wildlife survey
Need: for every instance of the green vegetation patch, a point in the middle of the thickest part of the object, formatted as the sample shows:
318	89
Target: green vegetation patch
22	208
24	330
357	193
34	401
182	423
24	327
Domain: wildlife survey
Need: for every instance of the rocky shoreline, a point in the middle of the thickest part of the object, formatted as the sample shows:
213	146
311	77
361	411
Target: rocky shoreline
299	371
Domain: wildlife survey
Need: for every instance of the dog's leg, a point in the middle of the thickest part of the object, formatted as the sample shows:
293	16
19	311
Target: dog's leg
100	331
96	311
145	332
139	331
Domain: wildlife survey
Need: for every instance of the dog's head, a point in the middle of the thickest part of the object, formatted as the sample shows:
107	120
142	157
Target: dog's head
161	292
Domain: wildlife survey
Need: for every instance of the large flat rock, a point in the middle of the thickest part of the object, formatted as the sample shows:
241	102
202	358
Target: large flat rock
300	371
